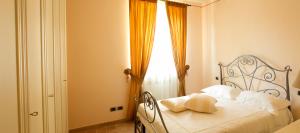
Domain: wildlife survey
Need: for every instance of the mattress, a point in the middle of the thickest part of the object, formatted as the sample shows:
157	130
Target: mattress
231	117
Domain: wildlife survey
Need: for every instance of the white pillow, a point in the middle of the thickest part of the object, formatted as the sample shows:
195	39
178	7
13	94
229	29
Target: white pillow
201	103
262	100
175	104
249	97
222	91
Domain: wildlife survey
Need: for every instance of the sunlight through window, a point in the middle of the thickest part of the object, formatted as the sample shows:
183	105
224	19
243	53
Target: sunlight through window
161	77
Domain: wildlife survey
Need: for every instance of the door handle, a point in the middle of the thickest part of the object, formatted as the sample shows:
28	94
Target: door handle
34	114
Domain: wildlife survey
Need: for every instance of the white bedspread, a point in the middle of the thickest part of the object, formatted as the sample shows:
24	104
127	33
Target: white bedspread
231	117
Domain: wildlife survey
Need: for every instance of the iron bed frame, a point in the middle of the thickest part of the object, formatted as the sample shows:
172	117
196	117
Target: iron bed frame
246	72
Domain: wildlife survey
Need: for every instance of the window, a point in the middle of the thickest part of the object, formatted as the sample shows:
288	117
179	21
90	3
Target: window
161	77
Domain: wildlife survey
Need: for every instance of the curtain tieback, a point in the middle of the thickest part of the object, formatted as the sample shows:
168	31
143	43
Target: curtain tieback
186	67
128	72
182	76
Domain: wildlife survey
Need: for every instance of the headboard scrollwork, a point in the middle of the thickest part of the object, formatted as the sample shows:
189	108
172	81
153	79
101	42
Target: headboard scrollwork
248	72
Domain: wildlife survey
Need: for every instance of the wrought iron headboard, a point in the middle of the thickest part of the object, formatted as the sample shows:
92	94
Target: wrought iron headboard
248	72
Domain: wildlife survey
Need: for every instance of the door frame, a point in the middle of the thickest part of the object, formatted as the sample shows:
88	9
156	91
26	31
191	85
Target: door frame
59	65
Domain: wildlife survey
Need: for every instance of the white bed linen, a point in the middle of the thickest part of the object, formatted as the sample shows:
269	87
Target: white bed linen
231	117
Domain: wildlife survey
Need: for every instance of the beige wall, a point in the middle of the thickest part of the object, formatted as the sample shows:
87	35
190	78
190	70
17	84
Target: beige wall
194	41
269	29
98	52
8	75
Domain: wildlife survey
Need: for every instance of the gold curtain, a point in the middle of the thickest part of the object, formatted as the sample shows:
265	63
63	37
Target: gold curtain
177	16
142	28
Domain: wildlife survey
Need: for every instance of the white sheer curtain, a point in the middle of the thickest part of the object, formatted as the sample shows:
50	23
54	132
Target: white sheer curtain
161	77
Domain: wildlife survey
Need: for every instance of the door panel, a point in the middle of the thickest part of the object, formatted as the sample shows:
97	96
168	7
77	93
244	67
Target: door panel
35	93
48	63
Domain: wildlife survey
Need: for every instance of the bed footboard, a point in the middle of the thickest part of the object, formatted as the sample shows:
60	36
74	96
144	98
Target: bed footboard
138	126
150	110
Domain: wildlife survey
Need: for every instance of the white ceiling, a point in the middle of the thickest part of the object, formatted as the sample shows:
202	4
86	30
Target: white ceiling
194	2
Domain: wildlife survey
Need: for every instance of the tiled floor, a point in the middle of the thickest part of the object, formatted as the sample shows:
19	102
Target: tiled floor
122	127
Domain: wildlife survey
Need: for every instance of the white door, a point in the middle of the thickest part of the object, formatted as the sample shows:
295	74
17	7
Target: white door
41	50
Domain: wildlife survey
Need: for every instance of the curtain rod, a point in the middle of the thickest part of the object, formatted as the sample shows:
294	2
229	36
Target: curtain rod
201	6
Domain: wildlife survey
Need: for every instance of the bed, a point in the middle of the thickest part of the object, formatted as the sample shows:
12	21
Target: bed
247	73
